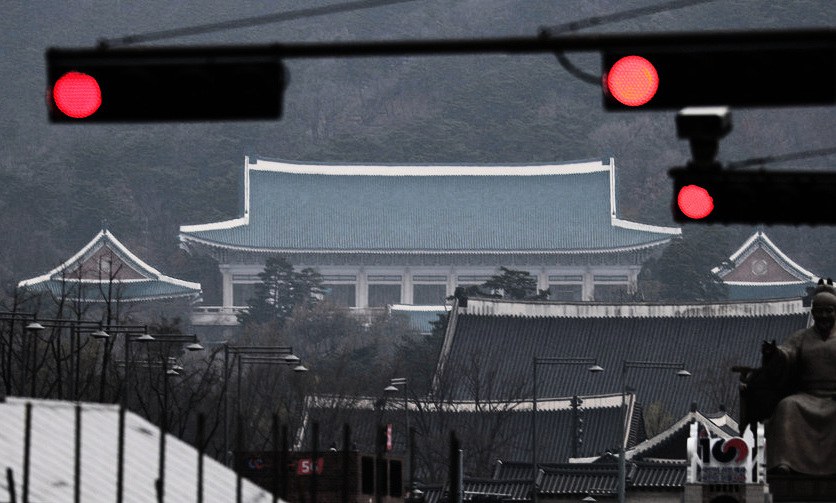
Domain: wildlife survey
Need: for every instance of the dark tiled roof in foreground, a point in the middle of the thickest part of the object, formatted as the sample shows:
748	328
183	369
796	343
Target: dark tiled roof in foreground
570	479
428	209
508	426
707	345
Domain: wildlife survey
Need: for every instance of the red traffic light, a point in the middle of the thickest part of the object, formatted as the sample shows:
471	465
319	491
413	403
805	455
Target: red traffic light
725	196
706	72
158	84
694	202
632	81
77	95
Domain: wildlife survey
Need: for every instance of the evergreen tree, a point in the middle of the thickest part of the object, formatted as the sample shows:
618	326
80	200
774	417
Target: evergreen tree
683	272
280	291
509	284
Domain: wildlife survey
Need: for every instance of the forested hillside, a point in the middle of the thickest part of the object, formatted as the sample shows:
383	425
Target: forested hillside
59	183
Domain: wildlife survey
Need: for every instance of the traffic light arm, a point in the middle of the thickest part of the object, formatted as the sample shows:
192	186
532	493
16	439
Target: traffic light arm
247	82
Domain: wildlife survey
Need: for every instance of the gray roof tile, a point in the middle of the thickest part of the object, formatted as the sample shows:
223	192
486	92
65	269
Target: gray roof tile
707	345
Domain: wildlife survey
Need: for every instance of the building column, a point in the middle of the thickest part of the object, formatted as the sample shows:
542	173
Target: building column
362	289
588	290
542	279
226	287
406	286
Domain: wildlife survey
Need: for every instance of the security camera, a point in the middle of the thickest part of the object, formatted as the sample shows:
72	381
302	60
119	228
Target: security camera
703	127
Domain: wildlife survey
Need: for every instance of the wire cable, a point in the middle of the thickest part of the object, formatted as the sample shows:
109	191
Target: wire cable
760	161
248	22
589	22
621	16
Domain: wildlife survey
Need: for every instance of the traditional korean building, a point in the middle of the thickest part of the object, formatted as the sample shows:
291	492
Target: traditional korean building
383	235
500	338
760	270
105	270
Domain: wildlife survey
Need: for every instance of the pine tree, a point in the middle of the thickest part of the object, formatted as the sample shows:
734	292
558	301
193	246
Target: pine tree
280	291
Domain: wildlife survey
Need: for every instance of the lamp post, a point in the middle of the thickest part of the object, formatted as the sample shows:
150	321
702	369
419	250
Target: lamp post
132	333
628	364
270	355
393	388
592	366
191	343
34	327
7	347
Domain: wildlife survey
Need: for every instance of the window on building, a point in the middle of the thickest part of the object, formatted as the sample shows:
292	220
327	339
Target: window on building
566	293
243	288
242	293
429	295
566	287
611	293
341	294
384	295
471	279
340	289
611	287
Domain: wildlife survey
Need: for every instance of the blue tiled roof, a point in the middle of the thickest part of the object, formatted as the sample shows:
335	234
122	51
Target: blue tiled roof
134	291
305	210
761	292
106	269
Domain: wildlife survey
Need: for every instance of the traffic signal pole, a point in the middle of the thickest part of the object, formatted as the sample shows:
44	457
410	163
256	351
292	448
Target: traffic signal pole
177	83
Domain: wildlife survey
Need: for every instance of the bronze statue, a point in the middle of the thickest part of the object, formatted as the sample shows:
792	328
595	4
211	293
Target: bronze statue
796	390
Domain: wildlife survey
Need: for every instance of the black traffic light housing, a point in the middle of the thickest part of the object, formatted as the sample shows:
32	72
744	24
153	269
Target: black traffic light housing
761	197
174	84
741	75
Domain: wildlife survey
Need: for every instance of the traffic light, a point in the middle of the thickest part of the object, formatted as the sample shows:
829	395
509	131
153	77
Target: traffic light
746	75
163	84
751	197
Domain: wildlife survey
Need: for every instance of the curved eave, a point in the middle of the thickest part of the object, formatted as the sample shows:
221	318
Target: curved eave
81	290
145	299
769	283
186	239
151	298
162	278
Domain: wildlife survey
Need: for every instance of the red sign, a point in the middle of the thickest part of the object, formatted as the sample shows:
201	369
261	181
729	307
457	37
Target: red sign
305	466
389	437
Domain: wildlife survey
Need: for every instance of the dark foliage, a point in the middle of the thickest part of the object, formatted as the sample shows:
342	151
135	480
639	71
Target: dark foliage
280	291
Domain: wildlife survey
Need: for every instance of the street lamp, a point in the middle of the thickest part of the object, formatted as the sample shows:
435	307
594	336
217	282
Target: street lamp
592	366
191	343
35	327
627	364
393	388
270	355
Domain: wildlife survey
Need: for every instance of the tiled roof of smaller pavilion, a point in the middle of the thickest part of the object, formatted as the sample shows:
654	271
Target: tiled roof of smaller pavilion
670	444
565	208
759	270
105	269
